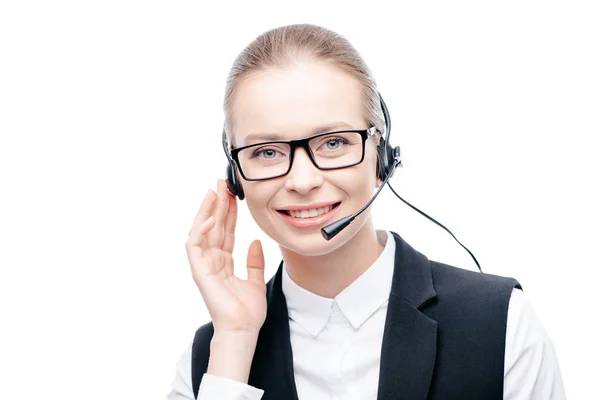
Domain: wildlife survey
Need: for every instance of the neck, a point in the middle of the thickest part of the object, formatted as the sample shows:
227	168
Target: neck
327	275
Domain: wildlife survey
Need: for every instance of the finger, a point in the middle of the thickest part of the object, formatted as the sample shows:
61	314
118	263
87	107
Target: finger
206	225
197	234
256	263
217	234
205	209
230	222
199	257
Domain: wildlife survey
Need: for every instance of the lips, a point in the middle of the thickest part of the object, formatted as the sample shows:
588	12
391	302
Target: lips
313	212
310	211
297	217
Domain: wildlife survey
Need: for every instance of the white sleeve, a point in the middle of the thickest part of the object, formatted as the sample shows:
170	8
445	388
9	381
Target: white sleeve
181	388
211	388
219	388
531	368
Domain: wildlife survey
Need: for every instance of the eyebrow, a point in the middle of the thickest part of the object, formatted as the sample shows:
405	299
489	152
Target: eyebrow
254	137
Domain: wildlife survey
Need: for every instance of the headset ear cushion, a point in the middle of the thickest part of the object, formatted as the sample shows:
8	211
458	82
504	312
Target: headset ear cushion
390	158
233	184
381	162
385	161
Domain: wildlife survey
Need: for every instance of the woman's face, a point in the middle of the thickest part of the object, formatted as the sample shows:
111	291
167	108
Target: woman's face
295	102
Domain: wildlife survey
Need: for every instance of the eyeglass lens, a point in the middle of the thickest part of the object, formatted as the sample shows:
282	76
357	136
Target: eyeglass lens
336	150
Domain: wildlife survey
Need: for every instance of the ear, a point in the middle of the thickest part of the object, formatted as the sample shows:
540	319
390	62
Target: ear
377	180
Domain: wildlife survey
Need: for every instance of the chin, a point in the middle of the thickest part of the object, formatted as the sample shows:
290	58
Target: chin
311	247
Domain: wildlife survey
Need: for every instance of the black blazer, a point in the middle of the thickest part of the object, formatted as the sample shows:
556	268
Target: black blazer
444	335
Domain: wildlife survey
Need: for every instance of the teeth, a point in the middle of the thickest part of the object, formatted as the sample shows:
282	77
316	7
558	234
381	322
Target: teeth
315	212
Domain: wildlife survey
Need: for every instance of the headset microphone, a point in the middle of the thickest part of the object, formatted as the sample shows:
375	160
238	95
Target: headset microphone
336	227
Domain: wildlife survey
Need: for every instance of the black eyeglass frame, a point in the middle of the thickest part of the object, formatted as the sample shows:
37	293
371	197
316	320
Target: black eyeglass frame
294	144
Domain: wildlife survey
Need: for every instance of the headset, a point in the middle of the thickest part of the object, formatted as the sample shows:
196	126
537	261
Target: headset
388	159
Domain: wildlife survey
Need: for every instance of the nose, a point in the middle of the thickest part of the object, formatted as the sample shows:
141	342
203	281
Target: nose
304	176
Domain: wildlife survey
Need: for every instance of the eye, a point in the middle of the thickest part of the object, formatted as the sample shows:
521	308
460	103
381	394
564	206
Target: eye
335	143
265	153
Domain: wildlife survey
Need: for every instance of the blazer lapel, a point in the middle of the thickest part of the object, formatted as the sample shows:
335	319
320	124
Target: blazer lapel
272	366
410	338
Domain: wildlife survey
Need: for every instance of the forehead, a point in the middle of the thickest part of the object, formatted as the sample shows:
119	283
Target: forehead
295	101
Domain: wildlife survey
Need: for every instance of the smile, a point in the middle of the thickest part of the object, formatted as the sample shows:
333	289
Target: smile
309	217
310	213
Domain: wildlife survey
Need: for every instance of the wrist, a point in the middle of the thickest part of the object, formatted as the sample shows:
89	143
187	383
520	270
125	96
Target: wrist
231	354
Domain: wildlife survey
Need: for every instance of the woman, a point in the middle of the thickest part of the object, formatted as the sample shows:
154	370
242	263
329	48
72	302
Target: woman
362	315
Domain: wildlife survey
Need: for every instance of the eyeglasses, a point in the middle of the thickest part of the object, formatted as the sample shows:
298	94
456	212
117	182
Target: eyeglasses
331	150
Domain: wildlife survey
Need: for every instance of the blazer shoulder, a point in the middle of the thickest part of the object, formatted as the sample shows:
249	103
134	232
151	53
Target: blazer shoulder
482	299
449	278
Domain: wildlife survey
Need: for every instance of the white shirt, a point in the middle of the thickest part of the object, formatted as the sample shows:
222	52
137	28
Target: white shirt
349	331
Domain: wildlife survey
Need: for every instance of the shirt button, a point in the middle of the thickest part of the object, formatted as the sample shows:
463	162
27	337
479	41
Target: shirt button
336	308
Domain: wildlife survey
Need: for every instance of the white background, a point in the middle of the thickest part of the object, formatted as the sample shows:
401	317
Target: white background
110	121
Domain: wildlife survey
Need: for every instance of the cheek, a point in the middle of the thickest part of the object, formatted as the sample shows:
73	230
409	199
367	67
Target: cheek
357	182
371	165
258	196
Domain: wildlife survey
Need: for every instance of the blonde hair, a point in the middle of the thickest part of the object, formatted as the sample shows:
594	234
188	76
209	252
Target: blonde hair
281	46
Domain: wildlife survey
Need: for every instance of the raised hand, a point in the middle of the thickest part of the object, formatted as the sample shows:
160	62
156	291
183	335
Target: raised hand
235	305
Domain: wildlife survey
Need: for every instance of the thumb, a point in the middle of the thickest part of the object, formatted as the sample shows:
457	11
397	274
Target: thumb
256	263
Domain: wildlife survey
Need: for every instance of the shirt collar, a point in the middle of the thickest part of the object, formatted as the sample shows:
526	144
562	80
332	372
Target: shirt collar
357	302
